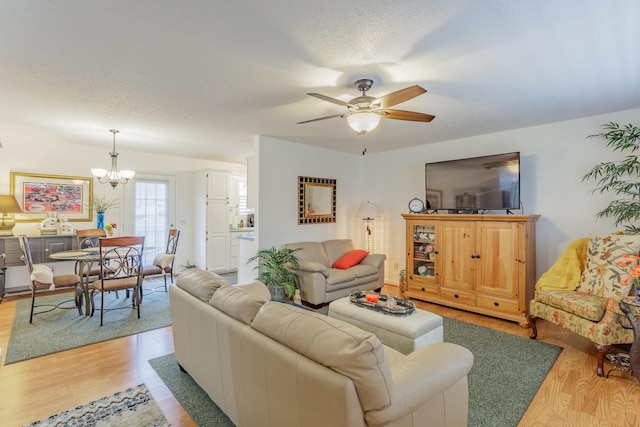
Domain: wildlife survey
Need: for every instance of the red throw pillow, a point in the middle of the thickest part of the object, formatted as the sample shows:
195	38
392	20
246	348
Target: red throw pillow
350	259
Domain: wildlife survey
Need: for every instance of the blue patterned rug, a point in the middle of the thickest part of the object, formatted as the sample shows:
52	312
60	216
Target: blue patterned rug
132	407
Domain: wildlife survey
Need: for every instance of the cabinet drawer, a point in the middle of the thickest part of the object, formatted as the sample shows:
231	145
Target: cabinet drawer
459	297
430	290
14	253
498	304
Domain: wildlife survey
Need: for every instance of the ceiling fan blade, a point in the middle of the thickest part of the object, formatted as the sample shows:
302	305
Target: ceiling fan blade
328	98
405	115
399	96
320	118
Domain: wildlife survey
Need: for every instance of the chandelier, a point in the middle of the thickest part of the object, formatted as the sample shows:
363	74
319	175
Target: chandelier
113	176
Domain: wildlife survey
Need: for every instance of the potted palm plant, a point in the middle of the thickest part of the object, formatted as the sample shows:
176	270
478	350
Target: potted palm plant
620	177
273	272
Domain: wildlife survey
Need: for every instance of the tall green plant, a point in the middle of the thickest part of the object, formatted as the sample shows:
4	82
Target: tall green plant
621	178
273	271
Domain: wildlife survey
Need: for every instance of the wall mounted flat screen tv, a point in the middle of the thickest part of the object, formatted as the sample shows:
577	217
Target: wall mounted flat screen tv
474	184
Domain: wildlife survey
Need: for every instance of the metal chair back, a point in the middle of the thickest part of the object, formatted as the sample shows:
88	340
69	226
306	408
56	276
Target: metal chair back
90	238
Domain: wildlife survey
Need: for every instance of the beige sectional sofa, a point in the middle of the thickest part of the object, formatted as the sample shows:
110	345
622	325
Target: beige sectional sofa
272	364
320	283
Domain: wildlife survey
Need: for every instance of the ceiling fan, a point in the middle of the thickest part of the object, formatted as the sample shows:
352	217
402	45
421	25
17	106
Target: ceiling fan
366	111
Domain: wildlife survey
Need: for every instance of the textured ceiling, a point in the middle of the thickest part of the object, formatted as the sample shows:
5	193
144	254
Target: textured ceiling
203	78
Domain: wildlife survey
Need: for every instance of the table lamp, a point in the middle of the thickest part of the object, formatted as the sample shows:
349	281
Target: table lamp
368	211
8	205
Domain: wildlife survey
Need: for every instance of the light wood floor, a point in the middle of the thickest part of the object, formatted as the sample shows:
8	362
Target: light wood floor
571	395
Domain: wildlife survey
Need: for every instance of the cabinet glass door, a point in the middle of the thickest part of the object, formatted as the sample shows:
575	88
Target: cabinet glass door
424	251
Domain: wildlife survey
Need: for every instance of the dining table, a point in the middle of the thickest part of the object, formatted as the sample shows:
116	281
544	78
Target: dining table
85	258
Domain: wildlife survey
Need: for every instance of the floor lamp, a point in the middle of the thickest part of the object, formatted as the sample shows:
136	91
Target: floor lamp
368	211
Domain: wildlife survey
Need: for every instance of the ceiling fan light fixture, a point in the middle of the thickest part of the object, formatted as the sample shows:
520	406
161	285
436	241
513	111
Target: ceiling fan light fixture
363	122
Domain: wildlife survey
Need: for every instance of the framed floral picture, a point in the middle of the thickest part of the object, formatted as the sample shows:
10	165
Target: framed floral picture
39	194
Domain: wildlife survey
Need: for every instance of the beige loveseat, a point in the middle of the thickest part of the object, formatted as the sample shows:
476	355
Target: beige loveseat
320	283
273	364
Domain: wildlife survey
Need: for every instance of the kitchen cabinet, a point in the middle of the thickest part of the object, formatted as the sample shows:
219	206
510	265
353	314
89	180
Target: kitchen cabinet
234	245
222	215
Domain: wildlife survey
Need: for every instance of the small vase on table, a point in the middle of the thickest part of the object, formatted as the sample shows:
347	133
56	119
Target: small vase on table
100	221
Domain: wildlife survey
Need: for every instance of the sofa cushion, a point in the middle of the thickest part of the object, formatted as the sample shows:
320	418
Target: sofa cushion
350	259
256	288
42	273
587	306
309	251
337	276
336	248
163	260
344	348
237	303
362	270
200	283
603	276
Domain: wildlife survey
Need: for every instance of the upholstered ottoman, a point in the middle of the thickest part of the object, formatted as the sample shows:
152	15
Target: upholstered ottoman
404	333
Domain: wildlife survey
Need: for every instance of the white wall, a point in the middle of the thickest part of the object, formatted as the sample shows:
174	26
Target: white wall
280	164
554	158
31	151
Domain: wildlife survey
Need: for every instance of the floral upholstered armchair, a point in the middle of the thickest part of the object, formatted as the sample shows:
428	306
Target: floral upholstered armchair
583	289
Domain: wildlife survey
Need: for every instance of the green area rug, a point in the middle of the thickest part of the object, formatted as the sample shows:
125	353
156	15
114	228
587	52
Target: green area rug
506	375
132	407
61	330
231	277
193	399
507	371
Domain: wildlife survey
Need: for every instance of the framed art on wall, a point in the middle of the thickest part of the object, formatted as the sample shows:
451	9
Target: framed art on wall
39	194
316	200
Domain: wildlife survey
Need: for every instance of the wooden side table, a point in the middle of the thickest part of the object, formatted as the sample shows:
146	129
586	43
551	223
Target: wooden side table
3	271
3	278
631	308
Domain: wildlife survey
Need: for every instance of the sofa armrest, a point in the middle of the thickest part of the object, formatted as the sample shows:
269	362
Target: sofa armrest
422	374
613	313
311	267
374	260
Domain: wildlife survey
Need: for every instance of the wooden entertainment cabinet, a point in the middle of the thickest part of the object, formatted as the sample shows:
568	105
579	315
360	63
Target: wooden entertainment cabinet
480	263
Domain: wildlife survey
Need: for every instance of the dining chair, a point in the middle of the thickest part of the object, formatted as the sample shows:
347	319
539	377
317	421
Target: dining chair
42	278
120	269
89	238
163	262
